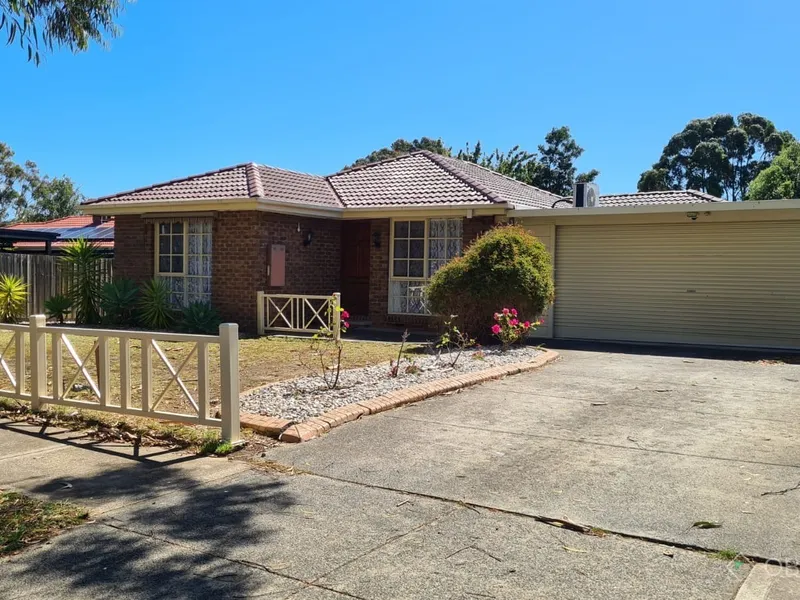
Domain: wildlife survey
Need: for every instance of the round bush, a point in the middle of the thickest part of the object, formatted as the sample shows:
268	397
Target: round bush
506	267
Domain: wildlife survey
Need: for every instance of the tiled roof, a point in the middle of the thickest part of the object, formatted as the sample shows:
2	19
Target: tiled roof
650	198
247	180
417	179
505	188
409	180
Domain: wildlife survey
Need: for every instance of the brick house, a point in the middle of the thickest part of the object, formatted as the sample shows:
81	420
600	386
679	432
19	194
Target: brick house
376	233
667	267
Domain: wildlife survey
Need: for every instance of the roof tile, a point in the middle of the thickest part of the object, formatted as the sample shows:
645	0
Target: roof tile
660	197
408	180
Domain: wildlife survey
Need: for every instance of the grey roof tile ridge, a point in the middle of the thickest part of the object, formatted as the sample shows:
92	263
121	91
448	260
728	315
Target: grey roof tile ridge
165	183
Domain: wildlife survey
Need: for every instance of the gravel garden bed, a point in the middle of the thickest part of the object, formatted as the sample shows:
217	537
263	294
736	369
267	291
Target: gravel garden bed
306	397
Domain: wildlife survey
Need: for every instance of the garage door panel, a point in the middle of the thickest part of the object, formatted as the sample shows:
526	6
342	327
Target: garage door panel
724	284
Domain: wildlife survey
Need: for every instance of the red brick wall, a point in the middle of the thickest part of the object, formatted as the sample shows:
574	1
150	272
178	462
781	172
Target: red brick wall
242	243
379	273
240	251
133	248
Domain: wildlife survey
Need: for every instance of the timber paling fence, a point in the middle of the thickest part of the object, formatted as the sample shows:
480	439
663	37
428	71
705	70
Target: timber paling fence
46	275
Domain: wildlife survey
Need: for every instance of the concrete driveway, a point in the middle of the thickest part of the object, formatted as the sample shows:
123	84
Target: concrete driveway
459	497
636	444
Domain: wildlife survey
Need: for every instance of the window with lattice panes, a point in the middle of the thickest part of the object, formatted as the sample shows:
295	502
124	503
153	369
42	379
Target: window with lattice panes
419	248
184	259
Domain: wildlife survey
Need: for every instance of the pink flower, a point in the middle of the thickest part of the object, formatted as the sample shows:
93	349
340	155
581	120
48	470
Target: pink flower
496	329
514	311
496	316
527	324
540	322
514	322
345	314
505	311
346	324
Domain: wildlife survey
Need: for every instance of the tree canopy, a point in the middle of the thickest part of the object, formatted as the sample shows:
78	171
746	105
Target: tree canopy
551	168
720	155
46	24
781	179
27	195
400	147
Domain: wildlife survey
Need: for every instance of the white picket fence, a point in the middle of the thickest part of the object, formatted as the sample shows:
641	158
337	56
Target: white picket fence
31	382
299	313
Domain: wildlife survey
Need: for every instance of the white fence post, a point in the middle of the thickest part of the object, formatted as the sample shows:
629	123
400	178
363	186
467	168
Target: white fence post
260	315
38	360
337	316
229	380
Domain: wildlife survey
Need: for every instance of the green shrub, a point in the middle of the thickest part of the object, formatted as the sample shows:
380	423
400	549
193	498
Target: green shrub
118	300
13	298
155	309
58	307
200	317
83	260
505	267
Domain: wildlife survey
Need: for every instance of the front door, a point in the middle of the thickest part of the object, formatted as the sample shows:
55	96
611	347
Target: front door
355	267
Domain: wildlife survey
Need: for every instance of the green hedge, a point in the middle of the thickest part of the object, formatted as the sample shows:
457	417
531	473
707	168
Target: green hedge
506	267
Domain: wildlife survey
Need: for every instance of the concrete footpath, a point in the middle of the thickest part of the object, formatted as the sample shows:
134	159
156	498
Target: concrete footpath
452	515
170	525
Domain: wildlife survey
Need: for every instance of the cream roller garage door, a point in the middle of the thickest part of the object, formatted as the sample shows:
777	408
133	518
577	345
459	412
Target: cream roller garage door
701	283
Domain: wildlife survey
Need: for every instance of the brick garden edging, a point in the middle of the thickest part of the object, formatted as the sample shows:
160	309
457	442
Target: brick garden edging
286	431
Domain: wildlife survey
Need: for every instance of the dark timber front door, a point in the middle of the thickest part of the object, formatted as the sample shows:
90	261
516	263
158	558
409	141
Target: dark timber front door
355	267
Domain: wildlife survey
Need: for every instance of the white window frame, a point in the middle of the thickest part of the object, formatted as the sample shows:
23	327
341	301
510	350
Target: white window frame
185	273
426	257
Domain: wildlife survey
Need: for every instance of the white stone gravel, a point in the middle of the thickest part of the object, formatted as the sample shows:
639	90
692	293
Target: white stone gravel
300	399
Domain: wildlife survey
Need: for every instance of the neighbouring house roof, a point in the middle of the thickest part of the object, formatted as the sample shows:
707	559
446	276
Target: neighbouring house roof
650	198
65	231
417	179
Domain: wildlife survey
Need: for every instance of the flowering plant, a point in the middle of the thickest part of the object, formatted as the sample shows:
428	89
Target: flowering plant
508	329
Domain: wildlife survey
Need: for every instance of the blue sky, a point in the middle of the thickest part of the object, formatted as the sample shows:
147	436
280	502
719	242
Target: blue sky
313	85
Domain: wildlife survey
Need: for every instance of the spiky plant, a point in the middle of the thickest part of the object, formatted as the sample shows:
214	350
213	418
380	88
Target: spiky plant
200	317
83	260
58	307
155	309
118	301
13	298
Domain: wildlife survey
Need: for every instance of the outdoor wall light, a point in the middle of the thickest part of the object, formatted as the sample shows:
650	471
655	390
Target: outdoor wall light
376	239
692	215
308	238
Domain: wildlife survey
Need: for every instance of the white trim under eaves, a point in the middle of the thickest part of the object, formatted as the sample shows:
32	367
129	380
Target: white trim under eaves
112	208
699	207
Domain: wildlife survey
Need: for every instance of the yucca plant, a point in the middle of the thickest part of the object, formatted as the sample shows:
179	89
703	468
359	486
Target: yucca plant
83	260
155	310
58	307
13	298
200	317
118	301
